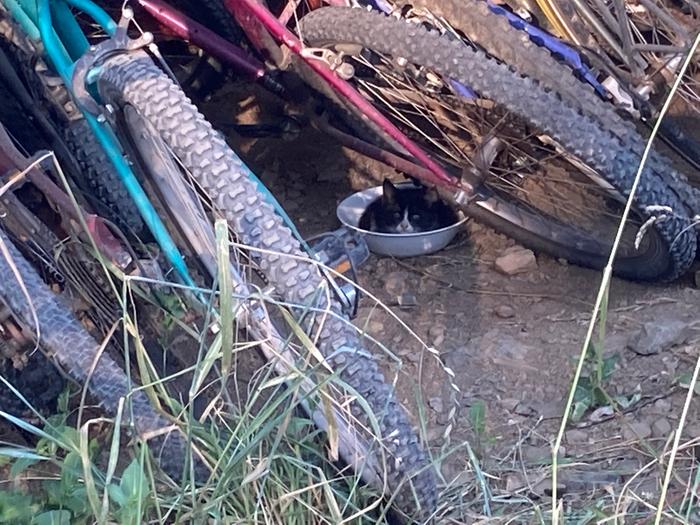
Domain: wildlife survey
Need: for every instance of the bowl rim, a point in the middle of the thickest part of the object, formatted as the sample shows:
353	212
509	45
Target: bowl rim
394	235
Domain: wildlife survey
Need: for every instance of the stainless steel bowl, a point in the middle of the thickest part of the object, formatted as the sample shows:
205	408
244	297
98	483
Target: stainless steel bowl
351	209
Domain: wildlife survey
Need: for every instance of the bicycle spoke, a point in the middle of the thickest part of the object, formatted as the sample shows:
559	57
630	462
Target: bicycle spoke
529	169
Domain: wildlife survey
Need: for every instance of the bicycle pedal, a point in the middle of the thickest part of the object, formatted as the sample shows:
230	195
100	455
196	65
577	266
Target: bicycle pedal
341	245
342	251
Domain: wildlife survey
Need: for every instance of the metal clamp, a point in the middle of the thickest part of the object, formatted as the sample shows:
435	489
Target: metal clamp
119	43
333	60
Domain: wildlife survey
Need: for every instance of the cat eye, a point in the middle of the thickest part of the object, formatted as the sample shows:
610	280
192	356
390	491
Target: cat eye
397	215
415	217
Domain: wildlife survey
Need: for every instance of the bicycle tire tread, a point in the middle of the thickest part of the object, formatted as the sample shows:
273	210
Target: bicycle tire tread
68	343
546	109
94	171
495	34
223	176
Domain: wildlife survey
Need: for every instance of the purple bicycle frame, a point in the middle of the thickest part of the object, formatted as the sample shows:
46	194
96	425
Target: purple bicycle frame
264	30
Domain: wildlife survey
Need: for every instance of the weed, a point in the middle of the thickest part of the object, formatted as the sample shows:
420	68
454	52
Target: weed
590	392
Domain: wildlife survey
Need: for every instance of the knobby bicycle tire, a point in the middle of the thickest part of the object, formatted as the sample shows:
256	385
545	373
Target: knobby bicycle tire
494	33
136	81
584	136
62	336
88	163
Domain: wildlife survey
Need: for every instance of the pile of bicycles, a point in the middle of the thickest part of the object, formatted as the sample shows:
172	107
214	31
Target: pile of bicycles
528	116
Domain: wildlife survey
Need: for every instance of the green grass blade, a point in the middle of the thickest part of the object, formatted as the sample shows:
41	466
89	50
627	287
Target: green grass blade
223	257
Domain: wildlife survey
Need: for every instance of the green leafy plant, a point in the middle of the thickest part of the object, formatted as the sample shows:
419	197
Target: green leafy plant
16	507
131	495
591	391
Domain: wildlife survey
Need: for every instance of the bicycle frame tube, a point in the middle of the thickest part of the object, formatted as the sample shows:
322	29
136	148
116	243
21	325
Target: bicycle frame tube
68	30
192	31
232	55
35	17
251	14
95	12
25	22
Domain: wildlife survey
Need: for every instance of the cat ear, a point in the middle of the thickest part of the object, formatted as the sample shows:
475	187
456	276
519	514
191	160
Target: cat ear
431	195
390	192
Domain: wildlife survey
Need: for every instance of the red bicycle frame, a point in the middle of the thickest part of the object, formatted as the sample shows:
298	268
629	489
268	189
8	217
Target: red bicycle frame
271	37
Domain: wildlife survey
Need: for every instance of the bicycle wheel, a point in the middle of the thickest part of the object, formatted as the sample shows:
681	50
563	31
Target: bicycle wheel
556	179
490	30
134	81
79	152
44	315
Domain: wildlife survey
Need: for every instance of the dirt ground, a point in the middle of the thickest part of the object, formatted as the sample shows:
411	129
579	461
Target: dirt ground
513	343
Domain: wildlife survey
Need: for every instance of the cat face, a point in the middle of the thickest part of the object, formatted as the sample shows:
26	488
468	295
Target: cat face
407	210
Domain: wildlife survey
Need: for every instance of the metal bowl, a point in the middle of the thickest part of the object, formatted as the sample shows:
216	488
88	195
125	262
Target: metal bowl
351	209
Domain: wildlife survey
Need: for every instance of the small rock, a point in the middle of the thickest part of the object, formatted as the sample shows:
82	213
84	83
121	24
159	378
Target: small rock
512	249
551	409
637	430
541	454
516	261
563	261
434	435
657	336
692	430
514	482
457	359
407	299
413	357
437	335
396	283
576	436
505	349
509	403
544	488
504	311
532	454
601	413
662	406
524	409
436	404
661	428
375	327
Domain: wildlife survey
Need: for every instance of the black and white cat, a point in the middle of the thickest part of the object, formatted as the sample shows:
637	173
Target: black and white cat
406	210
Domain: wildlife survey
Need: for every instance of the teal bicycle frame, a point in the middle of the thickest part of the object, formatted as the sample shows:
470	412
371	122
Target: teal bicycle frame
52	24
